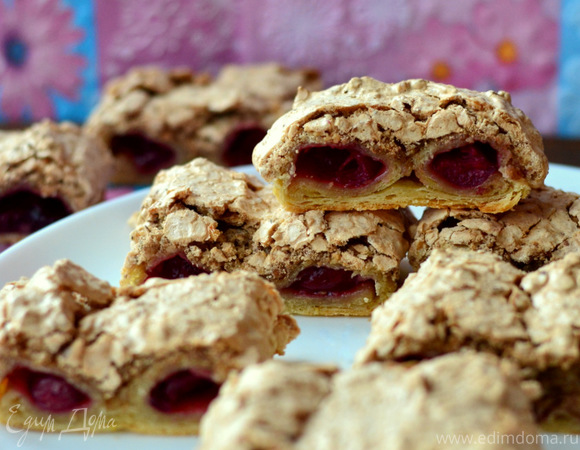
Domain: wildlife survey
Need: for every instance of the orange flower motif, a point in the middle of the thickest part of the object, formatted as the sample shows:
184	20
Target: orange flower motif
441	71
440	52
507	51
516	55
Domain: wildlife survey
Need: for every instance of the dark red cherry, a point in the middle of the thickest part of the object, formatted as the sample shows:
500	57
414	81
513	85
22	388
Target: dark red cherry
344	167
186	391
24	211
174	267
46	391
465	167
148	156
240	143
327	282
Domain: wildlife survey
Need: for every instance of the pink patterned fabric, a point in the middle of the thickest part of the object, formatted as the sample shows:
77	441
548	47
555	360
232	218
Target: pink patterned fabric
479	44
515	57
450	58
473	43
56	54
37	37
197	34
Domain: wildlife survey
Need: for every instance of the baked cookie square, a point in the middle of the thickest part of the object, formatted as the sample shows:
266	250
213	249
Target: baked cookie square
200	217
266	406
372	145
465	396
47	172
475	300
153	118
148	359
540	229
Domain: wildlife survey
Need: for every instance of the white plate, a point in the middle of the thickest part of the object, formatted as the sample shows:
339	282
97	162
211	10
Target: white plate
98	239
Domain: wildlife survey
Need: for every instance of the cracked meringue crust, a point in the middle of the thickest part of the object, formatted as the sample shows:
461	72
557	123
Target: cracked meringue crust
393	405
176	115
461	299
49	170
540	229
219	219
265	406
149	357
428	136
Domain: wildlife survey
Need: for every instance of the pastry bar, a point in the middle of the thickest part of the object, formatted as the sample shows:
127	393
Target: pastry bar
286	406
153	118
372	145
47	172
464	299
200	217
148	359
266	406
540	229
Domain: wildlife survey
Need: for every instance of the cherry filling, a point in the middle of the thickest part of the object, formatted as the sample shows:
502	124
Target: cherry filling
344	167
240	143
186	391
466	167
174	267
24	211
47	392
327	282
148	156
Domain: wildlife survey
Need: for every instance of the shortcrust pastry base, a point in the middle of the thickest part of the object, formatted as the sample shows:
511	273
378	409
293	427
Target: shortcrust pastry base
406	191
358	304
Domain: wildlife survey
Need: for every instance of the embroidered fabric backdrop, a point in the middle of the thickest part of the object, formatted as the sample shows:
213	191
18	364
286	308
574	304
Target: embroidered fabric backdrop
55	55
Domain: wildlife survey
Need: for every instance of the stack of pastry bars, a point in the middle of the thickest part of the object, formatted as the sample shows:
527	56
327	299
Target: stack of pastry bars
332	228
477	163
496	250
200	217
